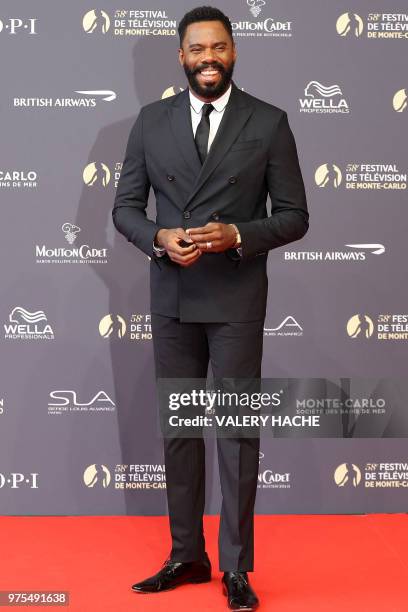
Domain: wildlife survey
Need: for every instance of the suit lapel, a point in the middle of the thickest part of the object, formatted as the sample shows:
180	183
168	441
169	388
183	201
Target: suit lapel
182	129
236	114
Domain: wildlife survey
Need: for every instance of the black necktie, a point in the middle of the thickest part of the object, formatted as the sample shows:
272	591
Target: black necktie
203	131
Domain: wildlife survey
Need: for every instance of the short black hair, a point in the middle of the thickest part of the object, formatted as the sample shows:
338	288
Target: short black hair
203	13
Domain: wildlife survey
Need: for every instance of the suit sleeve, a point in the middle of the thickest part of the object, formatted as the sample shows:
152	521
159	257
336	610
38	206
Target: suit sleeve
289	220
129	211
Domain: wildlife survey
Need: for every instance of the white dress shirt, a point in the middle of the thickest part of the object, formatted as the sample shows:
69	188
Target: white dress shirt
196	106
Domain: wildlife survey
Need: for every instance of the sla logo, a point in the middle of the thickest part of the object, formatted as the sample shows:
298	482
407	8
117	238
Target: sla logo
96	173
328	175
288	327
97	475
96	21
112	326
321	99
400	100
16	480
360	326
347	474
15	26
26	325
349	23
67	401
255	6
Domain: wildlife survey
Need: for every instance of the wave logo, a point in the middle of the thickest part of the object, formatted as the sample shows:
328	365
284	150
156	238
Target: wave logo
349	24
26	325
96	20
255	6
400	100
321	99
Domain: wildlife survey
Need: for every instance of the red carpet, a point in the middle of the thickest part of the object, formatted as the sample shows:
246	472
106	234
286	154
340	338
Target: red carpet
303	563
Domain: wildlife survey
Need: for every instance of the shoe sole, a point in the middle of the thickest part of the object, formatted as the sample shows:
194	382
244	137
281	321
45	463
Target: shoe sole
193	581
248	609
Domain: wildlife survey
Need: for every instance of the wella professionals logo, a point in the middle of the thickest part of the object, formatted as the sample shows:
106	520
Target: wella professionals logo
288	327
13	25
349	24
26	325
347	475
96	174
321	99
90	98
400	100
360	326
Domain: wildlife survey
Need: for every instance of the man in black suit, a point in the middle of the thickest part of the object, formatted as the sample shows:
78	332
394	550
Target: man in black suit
212	154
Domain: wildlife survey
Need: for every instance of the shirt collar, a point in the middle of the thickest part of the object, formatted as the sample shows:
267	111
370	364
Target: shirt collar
219	104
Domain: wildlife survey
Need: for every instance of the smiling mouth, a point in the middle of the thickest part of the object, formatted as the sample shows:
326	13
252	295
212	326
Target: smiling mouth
209	72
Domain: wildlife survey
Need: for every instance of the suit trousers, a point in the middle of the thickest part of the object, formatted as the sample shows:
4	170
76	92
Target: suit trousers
184	350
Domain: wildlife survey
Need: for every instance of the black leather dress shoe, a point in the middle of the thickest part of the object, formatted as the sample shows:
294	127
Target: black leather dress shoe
239	592
173	573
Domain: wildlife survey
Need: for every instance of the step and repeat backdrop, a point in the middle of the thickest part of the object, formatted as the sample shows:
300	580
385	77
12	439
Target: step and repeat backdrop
78	407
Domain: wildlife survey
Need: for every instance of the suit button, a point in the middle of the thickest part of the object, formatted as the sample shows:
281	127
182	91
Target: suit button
215	216
187	214
232	179
171	177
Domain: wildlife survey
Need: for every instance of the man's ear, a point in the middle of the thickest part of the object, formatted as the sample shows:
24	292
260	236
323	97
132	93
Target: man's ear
180	56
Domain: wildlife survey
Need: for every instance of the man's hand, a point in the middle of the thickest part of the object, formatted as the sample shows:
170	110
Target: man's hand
170	239
213	237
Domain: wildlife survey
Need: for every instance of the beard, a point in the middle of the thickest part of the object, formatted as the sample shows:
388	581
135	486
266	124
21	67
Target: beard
210	90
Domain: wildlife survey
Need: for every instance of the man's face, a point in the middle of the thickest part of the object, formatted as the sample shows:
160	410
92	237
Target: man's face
208	56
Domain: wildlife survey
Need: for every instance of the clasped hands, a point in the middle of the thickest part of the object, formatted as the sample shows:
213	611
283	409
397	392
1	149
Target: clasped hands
211	238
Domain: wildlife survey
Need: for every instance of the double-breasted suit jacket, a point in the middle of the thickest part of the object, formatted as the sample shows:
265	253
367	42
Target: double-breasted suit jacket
253	154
